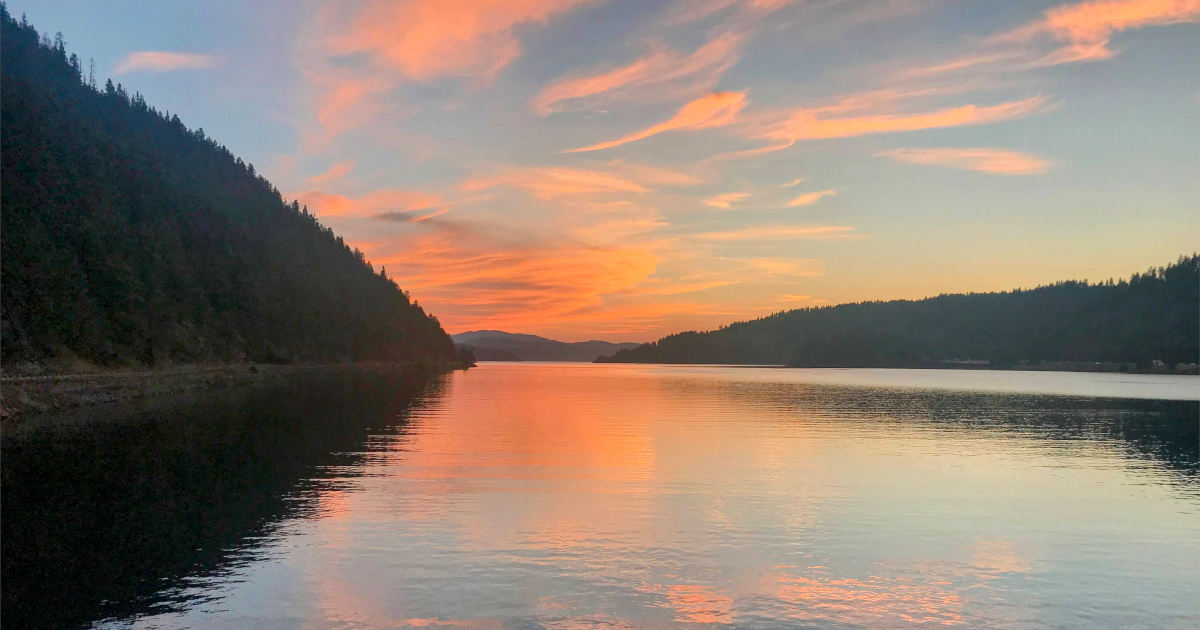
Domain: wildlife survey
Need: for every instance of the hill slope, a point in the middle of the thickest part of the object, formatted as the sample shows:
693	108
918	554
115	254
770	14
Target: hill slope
1151	316
130	239
496	345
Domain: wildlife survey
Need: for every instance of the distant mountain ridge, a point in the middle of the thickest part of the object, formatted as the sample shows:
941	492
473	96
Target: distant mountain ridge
1149	321
497	345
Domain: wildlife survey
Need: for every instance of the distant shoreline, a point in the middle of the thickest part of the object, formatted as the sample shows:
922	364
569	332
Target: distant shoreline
1094	368
24	396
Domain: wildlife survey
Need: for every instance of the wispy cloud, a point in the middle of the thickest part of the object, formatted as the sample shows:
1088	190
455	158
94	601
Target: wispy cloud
724	201
335	172
388	200
984	160
794	182
661	75
472	280
1066	34
1087	28
715	110
158	61
811	124
428	39
552	182
808	199
781	232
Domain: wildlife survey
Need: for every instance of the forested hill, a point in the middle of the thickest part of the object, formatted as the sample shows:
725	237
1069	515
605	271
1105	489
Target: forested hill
129	239
1152	316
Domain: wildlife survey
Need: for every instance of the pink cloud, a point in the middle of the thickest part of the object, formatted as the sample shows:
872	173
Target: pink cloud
984	160
428	39
381	201
335	172
726	200
715	110
472	282
1088	27
552	182
781	232
808	199
1077	32
811	124
151	61
650	77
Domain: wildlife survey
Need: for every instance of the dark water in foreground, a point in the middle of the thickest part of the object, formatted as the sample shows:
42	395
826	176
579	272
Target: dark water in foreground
616	496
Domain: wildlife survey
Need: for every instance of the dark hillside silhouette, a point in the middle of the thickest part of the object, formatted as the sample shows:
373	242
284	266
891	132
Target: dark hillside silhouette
130	239
1153	316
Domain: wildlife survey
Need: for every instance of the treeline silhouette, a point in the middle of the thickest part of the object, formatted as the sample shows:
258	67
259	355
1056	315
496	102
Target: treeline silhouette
130	239
1150	317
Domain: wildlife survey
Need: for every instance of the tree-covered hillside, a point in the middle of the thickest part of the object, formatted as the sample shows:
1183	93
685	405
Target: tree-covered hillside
1149	317
130	239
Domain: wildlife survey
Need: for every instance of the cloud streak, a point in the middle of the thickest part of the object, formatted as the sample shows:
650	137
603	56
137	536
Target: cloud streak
1087	28
553	182
983	160
726	200
780	233
158	61
654	76
808	199
715	110
325	204
428	39
806	124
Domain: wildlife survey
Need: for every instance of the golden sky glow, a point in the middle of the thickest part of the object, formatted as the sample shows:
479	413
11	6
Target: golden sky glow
624	170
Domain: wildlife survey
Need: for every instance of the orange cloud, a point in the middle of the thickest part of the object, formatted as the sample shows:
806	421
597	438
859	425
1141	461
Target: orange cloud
724	201
427	39
715	110
984	160
345	103
552	182
1088	27
381	201
654	175
335	172
1083	32
693	10
806	124
650	76
150	61
782	232
471	283
808	199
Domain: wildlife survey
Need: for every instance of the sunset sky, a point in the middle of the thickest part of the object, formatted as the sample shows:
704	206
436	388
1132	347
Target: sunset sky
621	170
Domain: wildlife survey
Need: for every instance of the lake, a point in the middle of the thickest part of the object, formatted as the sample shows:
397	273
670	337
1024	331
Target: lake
539	495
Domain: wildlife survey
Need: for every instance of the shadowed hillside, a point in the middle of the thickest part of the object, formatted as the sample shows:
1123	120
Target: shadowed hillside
1150	317
130	239
496	345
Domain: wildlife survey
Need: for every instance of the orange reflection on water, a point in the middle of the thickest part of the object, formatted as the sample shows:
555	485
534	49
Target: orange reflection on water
694	603
864	601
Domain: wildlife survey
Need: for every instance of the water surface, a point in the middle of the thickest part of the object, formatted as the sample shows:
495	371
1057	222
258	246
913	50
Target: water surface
622	496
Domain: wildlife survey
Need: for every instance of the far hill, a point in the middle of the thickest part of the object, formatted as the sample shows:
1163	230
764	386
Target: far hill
496	345
1150	320
130	239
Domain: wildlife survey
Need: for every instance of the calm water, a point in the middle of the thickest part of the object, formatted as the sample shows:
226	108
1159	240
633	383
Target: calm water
611	496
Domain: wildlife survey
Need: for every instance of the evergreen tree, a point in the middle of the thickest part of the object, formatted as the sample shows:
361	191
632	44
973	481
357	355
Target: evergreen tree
130	239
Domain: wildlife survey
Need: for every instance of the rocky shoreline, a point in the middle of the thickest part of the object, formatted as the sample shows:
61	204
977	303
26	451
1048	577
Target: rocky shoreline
25	396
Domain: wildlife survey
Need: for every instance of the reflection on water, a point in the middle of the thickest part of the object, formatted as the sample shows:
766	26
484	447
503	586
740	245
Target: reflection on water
612	496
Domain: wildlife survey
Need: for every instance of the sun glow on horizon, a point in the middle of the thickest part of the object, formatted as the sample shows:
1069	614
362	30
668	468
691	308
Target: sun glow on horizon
589	169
